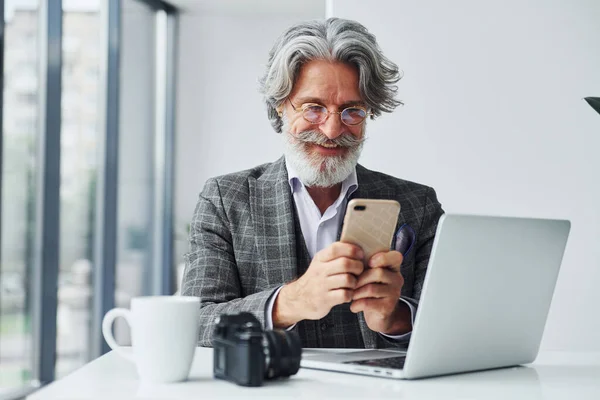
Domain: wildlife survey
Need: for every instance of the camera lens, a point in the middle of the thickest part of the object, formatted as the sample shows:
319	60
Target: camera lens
283	351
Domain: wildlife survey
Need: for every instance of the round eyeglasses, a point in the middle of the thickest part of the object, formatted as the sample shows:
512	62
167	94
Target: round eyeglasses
317	114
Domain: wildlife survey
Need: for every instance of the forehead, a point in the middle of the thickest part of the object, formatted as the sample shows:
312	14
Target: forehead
331	82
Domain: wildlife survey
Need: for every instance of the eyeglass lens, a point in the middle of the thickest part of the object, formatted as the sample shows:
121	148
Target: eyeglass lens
350	116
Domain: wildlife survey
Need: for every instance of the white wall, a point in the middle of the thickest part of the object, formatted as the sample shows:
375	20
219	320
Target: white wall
494	120
222	123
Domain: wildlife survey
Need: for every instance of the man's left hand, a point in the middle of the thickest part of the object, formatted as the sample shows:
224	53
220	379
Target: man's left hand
377	294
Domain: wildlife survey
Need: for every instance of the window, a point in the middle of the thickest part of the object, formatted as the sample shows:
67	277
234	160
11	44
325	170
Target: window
28	98
136	149
79	139
18	197
27	282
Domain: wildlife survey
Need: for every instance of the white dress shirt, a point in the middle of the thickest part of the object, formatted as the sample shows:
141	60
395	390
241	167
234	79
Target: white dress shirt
320	231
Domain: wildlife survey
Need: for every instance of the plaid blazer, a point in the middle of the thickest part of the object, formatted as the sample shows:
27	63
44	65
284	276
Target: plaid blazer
243	240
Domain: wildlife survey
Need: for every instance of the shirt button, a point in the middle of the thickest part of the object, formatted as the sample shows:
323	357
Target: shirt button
324	326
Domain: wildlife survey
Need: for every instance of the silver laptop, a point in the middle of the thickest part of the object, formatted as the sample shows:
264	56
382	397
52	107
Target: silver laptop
484	303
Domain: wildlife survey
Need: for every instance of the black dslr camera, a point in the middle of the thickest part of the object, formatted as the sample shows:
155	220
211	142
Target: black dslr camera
246	355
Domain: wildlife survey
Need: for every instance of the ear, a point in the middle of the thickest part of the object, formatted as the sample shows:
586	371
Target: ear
279	110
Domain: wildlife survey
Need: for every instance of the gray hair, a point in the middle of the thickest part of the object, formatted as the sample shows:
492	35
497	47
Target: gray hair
334	39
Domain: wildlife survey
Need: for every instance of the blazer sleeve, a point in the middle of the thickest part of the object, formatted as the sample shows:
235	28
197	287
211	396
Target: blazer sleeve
432	212
211	272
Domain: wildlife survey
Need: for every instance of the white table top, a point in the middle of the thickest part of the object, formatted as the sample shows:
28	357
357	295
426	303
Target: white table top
554	375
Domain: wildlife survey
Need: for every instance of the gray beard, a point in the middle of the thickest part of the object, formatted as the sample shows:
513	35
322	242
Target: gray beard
315	170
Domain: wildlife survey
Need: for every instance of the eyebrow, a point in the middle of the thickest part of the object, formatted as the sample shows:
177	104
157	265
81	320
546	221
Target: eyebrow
305	100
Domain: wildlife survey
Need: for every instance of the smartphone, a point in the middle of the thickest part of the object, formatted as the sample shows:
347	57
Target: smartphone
370	224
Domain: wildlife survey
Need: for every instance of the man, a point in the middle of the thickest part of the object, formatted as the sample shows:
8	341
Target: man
264	240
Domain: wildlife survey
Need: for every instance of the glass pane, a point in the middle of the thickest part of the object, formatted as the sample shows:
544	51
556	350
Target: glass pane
136	150
82	48
20	117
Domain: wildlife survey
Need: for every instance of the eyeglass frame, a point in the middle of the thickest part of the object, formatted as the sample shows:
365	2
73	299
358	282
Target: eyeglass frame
303	107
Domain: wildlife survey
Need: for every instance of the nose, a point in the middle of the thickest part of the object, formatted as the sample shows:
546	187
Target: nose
333	126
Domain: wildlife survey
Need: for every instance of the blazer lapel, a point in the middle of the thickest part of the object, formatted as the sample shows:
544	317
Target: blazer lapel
370	186
271	206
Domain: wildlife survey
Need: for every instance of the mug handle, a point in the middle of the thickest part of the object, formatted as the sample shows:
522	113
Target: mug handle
107	323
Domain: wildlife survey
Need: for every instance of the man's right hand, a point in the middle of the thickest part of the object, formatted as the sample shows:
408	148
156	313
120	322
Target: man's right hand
330	280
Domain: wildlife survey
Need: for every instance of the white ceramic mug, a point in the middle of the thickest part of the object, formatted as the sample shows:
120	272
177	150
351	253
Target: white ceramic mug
164	334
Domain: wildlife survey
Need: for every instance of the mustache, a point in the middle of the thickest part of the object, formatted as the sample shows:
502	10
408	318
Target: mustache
315	137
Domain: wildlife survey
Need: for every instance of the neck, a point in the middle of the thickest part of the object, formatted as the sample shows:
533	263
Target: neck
324	197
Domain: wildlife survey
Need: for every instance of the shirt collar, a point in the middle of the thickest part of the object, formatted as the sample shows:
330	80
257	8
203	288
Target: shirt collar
349	185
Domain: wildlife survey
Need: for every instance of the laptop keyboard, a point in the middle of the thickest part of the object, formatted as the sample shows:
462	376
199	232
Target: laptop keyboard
392	362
